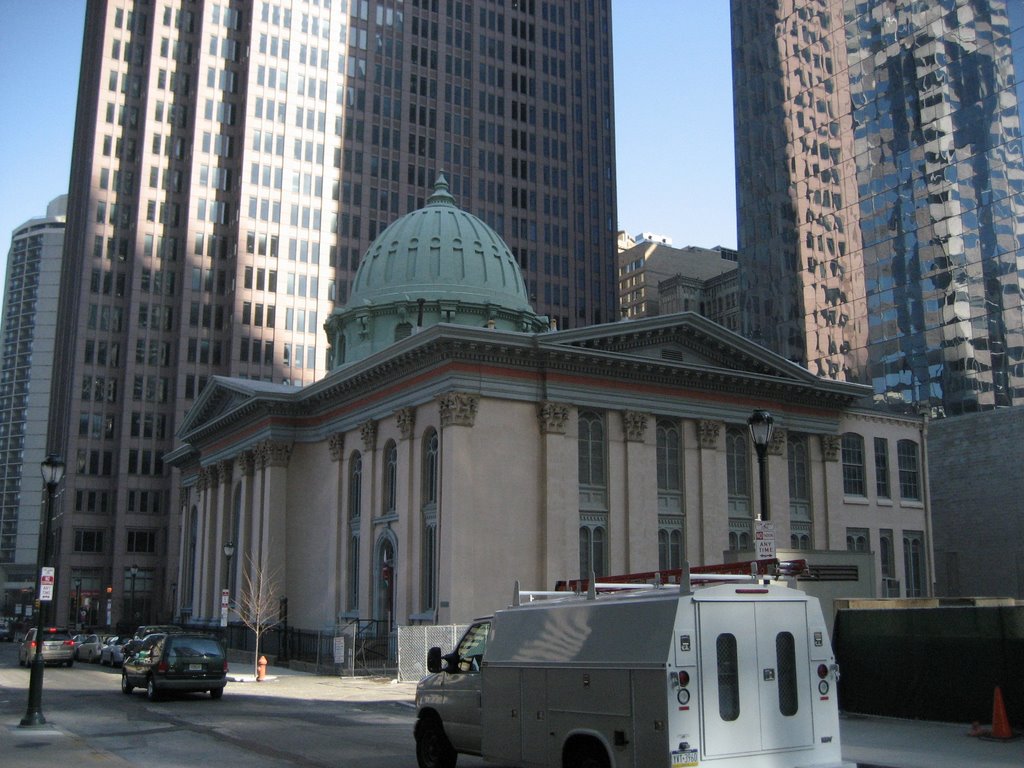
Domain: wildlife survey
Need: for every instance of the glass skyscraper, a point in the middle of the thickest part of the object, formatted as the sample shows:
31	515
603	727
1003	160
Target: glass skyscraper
880	183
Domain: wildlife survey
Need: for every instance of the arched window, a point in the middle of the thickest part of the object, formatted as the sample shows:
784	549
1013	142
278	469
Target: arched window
799	491
668	458
737	469
592	551
591	450
430	444
428	561
853	465
593	494
387	567
670	548
355	485
355	504
390	486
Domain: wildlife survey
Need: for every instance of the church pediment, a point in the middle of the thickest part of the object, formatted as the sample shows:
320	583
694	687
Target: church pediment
686	339
224	396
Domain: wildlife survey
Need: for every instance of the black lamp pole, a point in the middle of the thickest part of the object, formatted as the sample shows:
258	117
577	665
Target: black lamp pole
78	603
760	424
134	572
53	470
229	550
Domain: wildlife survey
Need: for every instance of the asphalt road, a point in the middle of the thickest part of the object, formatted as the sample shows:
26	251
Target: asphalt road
293	721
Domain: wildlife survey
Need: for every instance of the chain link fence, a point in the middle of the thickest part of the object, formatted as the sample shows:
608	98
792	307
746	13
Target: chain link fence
415	640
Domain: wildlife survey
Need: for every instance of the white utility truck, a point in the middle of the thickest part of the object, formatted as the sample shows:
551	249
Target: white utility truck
731	675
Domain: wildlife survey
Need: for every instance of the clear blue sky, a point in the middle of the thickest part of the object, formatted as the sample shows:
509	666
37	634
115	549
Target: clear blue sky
673	103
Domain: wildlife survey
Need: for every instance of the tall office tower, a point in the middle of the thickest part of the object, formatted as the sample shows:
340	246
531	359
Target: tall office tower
232	163
28	331
880	178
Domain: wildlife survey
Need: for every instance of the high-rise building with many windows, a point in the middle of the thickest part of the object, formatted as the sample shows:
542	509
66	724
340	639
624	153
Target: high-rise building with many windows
26	371
881	193
232	162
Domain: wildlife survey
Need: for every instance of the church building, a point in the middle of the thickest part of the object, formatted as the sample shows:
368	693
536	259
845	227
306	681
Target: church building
460	442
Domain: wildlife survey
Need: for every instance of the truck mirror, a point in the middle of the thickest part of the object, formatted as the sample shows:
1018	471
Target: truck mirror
434	660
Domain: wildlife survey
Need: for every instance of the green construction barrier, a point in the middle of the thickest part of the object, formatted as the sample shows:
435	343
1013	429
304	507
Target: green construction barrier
940	664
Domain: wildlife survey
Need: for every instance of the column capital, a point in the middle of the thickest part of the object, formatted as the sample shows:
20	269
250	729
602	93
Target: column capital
552	417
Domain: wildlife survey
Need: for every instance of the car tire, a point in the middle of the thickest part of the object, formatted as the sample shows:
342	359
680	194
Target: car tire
216	693
70	663
126	687
152	692
433	750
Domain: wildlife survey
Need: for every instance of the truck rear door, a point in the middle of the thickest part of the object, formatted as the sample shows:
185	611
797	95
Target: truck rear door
755	677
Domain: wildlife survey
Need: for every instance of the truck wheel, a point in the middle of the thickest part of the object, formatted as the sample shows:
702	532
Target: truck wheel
433	750
587	756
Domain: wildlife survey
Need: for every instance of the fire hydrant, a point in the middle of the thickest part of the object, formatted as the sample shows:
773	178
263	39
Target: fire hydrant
261	669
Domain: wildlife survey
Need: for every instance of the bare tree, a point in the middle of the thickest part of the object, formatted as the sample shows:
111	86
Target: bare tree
258	602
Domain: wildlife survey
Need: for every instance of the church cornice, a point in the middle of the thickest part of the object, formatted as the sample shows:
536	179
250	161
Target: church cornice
377	386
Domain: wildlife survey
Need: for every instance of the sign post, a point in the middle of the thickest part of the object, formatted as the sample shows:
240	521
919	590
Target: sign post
764	535
46	579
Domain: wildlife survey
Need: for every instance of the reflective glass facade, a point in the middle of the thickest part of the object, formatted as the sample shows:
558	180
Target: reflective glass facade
880	179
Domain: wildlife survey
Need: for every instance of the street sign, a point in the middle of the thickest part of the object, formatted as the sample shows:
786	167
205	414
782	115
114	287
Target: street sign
225	599
46	579
764	536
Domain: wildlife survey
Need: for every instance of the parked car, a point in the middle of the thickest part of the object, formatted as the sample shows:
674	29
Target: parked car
176	662
58	647
88	648
112	652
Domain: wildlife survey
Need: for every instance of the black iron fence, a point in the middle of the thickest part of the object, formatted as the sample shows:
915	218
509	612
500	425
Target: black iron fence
356	648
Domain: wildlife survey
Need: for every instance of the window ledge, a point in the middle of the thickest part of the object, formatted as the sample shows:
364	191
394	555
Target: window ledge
857	500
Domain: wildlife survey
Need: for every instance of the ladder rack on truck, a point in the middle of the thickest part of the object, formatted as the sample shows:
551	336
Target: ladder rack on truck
745	570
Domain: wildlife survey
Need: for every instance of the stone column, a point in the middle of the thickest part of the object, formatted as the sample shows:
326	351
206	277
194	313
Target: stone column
272	479
370	507
247	546
832	481
337	528
713	532
639	519
456	410
558	526
408	527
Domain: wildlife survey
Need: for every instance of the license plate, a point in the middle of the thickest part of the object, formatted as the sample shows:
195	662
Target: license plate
195	668
682	759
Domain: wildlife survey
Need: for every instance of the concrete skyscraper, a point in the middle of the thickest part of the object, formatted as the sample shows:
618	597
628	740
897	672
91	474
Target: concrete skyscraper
233	161
26	369
881	193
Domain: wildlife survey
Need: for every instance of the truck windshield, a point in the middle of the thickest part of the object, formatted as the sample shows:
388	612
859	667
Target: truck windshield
471	647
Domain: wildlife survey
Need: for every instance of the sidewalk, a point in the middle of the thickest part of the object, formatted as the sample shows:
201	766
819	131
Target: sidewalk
884	741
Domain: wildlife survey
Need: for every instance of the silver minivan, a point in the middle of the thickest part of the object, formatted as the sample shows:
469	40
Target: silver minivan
58	647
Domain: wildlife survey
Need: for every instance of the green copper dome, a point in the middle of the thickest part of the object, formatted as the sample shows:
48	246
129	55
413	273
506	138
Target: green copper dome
436	264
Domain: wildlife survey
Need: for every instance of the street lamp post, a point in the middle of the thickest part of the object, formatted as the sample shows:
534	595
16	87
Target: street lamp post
225	596
53	470
760	424
78	603
134	572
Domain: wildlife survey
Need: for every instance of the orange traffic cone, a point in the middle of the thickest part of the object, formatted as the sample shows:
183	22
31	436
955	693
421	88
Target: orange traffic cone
1000	724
